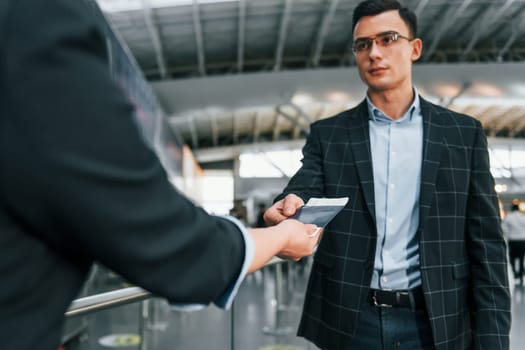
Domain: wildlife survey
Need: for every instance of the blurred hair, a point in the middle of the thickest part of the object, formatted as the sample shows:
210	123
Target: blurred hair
375	7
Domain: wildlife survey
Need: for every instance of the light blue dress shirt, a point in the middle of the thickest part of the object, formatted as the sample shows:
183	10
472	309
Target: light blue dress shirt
226	300
397	149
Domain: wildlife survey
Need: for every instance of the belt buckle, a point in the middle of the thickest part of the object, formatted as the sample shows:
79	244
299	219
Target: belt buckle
376	303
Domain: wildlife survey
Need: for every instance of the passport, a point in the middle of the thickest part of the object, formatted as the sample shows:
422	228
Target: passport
320	211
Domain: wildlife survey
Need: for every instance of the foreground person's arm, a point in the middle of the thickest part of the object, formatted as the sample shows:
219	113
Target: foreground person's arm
290	238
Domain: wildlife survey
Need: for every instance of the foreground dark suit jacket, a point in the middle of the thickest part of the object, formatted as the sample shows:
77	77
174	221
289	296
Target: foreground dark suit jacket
462	252
78	184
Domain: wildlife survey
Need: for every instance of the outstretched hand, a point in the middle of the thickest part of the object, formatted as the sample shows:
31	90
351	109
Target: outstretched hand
302	239
291	239
283	209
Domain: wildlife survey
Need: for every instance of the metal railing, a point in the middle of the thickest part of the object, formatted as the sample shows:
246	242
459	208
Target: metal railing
108	300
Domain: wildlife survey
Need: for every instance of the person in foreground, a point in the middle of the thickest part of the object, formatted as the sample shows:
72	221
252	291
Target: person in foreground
78	184
416	260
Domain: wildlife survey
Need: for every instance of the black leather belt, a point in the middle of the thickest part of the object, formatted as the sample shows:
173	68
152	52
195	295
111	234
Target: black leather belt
413	298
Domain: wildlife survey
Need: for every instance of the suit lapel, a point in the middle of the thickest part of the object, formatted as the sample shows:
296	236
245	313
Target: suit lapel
432	144
359	137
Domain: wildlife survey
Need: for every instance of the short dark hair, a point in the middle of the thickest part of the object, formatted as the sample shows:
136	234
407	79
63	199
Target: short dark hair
375	7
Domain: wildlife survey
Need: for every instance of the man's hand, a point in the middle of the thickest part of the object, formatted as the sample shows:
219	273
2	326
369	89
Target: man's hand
283	209
302	239
290	239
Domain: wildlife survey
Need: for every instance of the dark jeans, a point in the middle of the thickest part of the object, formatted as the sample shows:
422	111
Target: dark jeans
393	328
517	252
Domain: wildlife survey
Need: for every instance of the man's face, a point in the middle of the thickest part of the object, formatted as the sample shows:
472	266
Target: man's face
386	65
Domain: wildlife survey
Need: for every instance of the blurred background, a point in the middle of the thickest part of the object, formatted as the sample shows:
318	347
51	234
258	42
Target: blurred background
225	91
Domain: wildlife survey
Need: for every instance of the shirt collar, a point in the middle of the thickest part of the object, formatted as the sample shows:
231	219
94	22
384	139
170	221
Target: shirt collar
376	115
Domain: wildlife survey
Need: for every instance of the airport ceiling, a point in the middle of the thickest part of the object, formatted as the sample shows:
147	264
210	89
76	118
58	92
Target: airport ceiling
176	43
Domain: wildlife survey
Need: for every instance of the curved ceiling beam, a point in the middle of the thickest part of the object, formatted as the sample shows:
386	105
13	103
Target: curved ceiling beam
193	132
155	37
516	30
273	163
198	38
214	129
486	24
448	19
283	31
323	30
235	127
256	126
518	127
276	127
420	7
466	85
240	35
489	116
291	119
507	119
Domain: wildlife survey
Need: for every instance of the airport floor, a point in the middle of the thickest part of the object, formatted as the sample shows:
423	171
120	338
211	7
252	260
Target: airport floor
264	317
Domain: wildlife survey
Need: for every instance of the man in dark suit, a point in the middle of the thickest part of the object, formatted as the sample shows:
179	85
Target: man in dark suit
416	260
78	184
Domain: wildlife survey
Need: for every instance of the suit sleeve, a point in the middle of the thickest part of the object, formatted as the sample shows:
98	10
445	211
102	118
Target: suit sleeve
81	177
309	180
487	254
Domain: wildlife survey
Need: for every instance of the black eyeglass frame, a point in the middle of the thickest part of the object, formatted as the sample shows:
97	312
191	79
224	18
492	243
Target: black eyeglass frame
370	39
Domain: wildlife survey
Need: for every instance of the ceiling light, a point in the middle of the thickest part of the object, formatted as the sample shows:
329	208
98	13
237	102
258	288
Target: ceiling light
485	90
301	98
337	96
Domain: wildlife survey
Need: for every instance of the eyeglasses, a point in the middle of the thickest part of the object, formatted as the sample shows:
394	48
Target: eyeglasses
382	39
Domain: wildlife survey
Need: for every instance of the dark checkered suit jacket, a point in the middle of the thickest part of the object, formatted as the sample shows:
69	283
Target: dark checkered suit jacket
462	253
